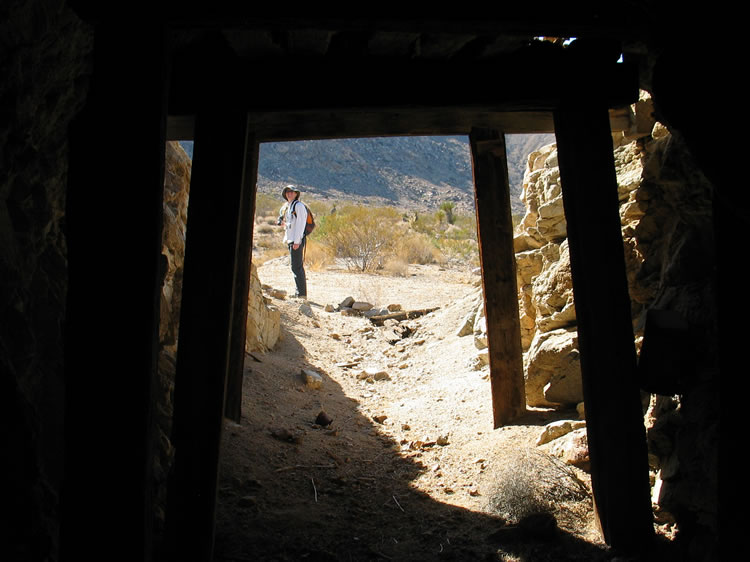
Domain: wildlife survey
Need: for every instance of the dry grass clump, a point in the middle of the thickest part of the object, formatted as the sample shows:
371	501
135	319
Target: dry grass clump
396	266
460	250
317	256
417	248
266	227
534	483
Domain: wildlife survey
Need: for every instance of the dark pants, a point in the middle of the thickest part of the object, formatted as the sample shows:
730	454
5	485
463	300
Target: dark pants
298	268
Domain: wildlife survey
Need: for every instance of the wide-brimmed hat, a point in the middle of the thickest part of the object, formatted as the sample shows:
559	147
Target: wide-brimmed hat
289	188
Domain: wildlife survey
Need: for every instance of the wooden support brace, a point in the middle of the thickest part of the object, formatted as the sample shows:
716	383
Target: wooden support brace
233	405
616	435
208	302
492	192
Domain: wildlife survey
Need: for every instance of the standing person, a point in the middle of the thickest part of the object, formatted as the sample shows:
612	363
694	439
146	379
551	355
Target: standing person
295	218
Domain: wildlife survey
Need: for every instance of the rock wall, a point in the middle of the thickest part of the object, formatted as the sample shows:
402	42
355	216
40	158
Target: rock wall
263	319
44	65
177	168
665	211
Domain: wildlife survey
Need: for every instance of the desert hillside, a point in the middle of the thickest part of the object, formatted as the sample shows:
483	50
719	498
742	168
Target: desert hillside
409	172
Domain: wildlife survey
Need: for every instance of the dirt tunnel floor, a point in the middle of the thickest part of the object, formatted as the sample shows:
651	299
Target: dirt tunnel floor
409	467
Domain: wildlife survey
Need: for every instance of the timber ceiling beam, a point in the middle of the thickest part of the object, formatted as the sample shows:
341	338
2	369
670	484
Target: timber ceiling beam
523	83
304	125
408	121
295	98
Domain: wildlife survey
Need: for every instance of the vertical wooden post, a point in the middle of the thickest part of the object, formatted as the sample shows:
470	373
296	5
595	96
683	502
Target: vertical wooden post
616	435
113	232
208	297
492	198
233	406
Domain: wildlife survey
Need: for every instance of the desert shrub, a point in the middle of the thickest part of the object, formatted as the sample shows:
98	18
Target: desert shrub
438	223
319	208
456	241
317	255
426	223
462	250
368	238
416	248
448	208
533	483
396	266
265	228
361	236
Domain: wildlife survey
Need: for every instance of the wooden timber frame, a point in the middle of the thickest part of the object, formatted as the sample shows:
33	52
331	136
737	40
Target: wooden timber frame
615	431
227	121
618	502
622	500
218	215
498	261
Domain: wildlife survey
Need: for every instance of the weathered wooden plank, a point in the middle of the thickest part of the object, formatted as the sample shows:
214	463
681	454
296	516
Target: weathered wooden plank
310	125
208	301
233	405
616	436
401	315
424	121
492	200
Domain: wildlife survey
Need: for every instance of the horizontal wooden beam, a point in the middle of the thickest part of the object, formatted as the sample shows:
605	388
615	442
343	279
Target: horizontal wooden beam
408	121
299	125
291	97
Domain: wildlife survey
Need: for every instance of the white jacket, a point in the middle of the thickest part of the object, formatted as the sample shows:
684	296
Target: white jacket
295	225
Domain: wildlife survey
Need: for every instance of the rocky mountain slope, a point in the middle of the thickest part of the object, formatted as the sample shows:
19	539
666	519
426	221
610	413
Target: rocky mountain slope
409	172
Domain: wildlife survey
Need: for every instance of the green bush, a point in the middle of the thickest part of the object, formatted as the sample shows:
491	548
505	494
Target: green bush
361	236
447	207
416	247
366	238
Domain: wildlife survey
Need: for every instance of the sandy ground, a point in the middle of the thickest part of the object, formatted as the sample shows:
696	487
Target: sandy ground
401	466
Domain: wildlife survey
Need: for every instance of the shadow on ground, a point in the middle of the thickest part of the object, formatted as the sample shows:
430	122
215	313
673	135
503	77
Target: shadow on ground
293	489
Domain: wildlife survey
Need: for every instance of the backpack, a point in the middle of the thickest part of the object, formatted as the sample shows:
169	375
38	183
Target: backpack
310	224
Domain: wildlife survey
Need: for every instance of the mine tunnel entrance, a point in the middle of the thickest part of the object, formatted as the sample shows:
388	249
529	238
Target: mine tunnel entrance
280	442
223	181
578	95
412	440
440	225
376	228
